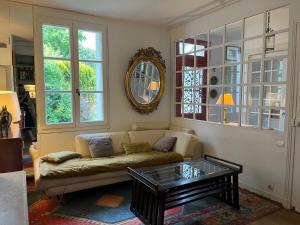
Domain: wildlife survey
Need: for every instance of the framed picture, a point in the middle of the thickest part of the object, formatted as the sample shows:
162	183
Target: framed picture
233	54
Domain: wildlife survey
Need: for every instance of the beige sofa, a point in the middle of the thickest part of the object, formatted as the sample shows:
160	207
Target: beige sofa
187	145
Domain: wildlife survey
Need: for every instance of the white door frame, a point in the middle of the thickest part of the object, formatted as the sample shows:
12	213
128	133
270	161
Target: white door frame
294	71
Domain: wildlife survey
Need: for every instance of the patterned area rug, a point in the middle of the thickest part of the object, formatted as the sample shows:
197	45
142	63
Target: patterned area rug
110	205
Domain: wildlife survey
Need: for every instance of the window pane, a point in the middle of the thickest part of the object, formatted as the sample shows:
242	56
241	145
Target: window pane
214	94
275	70
90	45
254	26
232	75
234	31
214	114
231	96
233	53
279	70
178	79
277	19
90	76
188	110
201	59
273	119
216	36
57	75
188	79
215	76
251	96
200	112
56	41
188	95
253	49
250	117
201	41
189	61
200	77
252	72
216	56
274	95
179	62
189	45
179	48
91	107
58	108
178	95
200	95
178	110
231	115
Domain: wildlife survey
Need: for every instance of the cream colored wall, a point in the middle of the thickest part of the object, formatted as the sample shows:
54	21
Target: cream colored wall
264	154
124	38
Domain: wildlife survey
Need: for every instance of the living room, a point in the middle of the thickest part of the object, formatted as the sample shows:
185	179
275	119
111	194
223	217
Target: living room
202	78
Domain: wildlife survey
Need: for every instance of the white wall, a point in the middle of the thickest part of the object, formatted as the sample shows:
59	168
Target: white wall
263	153
15	20
124	39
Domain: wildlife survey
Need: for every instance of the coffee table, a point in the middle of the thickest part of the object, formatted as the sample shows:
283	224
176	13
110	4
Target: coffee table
156	189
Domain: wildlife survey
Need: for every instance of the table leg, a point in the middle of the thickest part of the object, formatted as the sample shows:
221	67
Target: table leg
236	201
161	209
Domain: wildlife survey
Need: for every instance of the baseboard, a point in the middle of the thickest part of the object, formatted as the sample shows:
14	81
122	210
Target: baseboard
269	195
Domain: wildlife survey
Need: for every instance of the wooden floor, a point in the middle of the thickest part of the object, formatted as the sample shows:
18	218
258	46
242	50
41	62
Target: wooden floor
282	217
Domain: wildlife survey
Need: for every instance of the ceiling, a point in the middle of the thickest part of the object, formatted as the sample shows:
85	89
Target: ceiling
159	12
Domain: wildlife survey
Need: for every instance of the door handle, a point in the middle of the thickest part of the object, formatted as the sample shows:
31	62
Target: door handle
296	122
78	92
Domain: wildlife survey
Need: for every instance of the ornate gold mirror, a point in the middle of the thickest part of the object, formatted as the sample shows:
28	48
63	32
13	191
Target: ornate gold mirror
145	80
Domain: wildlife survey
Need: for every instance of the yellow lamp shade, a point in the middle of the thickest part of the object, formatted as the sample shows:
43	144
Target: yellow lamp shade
10	100
154	85
228	99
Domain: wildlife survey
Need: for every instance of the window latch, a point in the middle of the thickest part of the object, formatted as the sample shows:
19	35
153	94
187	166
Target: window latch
78	92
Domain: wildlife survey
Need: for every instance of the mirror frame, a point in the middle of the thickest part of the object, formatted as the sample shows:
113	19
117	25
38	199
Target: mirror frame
154	56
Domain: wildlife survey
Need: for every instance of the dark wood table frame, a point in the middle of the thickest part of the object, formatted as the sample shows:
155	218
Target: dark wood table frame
150	199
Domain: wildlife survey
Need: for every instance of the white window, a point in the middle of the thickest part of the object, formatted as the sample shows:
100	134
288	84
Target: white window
235	74
72	66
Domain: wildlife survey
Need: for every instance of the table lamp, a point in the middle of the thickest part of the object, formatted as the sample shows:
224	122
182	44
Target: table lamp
226	101
10	100
153	86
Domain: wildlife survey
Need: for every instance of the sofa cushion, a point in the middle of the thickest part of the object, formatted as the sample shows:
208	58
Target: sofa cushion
117	139
100	146
150	136
131	148
165	144
183	143
90	166
58	157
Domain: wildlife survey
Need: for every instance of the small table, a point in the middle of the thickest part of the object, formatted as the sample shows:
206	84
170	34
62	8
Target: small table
11	150
156	189
13	198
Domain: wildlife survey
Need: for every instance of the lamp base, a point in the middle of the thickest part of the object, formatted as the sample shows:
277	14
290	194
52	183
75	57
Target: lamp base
5	122
225	120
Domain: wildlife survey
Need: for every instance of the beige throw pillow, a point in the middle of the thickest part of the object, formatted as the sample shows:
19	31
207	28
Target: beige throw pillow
58	157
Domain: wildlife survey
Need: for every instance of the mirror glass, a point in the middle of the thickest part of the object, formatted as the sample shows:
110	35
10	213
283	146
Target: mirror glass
145	82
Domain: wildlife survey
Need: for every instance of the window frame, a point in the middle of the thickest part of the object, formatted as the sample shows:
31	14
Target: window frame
73	26
223	65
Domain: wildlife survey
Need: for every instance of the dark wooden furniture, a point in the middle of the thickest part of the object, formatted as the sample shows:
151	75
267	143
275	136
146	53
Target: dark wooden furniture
156	189
11	150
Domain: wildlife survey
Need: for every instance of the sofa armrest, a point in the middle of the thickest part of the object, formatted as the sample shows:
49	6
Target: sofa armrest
197	149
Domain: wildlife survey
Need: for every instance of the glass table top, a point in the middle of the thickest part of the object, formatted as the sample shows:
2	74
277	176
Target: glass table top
184	172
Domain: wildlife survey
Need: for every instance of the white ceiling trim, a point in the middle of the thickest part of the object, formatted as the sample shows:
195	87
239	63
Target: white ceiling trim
167	13
201	11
